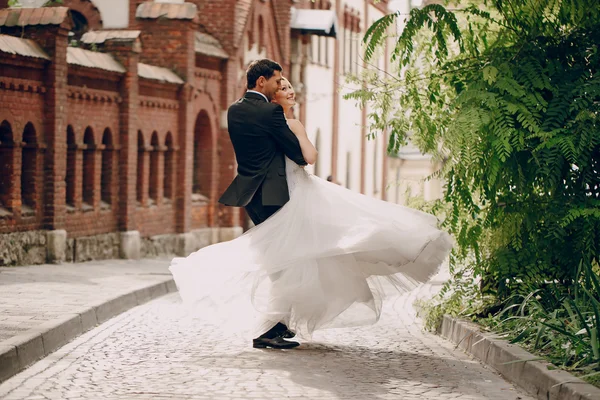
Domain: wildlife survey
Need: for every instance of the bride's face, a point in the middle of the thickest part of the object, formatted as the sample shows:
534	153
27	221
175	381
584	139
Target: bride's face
285	96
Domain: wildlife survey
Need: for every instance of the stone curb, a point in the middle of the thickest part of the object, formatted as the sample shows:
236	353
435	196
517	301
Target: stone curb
19	352
533	376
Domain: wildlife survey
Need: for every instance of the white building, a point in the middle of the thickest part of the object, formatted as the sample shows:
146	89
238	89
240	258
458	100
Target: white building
338	127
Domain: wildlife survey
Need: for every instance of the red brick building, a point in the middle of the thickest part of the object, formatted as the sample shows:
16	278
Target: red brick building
113	142
113	136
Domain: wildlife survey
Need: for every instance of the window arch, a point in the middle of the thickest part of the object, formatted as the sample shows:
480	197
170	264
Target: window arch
85	15
71	166
140	168
89	167
169	169
106	174
154	162
202	155
29	171
80	25
7	145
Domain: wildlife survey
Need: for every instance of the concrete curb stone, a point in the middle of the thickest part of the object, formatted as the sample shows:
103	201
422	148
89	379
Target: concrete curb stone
9	361
19	352
533	376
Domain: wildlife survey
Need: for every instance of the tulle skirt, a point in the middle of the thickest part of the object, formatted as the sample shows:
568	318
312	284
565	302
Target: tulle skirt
317	263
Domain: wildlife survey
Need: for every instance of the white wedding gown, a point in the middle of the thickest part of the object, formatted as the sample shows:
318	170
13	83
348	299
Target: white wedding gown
316	263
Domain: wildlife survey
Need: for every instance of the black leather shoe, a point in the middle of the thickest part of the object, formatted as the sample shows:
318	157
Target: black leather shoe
275	343
281	329
288	334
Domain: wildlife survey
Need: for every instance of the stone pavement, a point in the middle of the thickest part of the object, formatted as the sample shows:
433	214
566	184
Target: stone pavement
36	300
30	296
159	351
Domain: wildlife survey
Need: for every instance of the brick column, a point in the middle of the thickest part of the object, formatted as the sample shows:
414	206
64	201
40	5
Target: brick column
15	189
227	216
55	80
78	174
185	161
38	197
160	175
170	43
11	167
53	38
97	176
127	53
145	155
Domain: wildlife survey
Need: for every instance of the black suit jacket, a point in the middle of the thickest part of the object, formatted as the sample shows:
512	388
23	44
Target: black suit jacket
261	138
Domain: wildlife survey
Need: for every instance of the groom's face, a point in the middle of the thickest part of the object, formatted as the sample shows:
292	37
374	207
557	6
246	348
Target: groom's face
272	85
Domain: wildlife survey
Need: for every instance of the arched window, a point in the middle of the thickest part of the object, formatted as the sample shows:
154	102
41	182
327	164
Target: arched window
71	166
106	176
140	168
202	157
89	167
6	164
28	168
80	25
169	175
154	161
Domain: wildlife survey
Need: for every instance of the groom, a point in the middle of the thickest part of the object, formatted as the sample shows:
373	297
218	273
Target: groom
261	138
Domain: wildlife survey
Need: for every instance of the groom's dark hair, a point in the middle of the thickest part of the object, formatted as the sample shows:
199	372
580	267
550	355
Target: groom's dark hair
258	68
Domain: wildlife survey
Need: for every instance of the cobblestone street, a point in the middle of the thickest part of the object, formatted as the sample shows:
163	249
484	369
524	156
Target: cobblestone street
156	351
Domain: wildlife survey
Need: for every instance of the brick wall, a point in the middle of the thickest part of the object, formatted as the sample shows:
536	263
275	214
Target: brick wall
107	152
22	104
219	19
92	144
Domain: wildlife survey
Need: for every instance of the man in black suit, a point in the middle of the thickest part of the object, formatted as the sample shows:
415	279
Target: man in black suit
261	139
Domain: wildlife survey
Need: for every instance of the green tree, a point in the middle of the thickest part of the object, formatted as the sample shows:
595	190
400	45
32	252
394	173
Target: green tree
509	99
507	94
17	3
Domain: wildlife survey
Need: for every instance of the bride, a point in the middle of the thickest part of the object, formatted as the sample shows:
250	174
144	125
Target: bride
317	263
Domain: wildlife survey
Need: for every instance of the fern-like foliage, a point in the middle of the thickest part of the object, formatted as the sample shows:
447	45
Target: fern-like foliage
507	96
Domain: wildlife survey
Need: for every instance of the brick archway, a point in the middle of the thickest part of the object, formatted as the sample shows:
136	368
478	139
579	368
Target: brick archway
29	167
107	168
89	167
203	155
7	145
88	10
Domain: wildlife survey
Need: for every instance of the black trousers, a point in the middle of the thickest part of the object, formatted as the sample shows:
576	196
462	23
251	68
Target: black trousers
258	214
257	211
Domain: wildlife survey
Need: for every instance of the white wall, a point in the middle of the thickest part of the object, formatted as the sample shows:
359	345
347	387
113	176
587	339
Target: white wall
350	135
115	13
319	105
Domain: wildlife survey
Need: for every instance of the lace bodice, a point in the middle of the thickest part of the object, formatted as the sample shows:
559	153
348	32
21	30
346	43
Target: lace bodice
294	174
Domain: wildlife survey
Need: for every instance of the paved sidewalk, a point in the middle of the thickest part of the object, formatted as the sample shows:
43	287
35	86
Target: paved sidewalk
159	351
43	307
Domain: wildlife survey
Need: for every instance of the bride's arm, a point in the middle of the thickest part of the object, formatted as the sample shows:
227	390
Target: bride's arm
309	152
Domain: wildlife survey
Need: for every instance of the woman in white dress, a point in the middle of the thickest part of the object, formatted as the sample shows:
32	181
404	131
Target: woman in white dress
316	263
